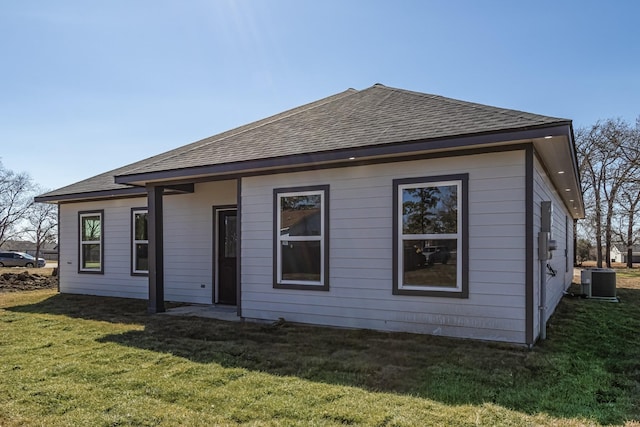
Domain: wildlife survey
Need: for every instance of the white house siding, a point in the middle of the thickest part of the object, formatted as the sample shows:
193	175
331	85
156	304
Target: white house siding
188	234
117	279
360	294
562	233
616	256
188	241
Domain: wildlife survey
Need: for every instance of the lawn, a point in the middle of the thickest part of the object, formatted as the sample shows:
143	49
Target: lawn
79	360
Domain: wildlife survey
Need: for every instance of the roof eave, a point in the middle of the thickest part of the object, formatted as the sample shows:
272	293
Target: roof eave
92	195
119	193
388	149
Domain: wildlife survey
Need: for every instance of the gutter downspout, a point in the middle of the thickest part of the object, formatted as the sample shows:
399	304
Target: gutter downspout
545	246
543	236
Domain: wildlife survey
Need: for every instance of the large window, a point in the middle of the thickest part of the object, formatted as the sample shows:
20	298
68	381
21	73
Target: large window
301	238
430	236
91	242
139	242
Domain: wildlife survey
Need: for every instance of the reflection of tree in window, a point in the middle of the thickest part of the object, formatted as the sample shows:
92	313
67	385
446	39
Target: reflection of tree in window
91	229
140	242
417	209
430	210
301	202
141	226
300	215
91	242
448	214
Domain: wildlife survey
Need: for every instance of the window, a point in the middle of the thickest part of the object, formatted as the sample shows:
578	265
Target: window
301	238
139	242
430	236
91	238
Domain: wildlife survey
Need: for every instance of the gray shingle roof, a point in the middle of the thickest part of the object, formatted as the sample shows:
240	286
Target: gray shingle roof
375	116
623	248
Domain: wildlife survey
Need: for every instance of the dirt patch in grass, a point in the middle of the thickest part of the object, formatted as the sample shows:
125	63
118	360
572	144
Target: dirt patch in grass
25	281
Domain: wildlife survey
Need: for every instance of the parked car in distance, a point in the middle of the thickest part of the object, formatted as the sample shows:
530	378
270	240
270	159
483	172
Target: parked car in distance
20	259
436	254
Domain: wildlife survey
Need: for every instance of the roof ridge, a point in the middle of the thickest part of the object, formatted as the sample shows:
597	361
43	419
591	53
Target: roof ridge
376	116
475	105
245	128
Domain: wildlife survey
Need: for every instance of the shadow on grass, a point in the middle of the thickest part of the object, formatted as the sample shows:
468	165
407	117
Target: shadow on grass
588	367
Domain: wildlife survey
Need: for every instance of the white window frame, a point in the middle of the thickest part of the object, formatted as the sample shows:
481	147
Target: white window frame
461	288
279	239
82	243
134	242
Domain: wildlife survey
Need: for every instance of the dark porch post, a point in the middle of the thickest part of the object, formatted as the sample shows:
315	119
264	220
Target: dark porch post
156	249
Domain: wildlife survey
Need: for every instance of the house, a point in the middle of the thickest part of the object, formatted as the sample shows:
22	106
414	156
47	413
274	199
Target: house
615	255
619	253
380	208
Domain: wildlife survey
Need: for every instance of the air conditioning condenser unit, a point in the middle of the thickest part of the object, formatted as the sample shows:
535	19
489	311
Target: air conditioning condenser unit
599	283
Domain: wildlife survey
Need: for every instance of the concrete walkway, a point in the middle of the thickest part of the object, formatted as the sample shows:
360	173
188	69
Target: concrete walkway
219	312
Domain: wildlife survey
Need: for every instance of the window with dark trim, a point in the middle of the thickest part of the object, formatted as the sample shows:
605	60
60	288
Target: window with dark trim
91	248
301	238
430	236
139	242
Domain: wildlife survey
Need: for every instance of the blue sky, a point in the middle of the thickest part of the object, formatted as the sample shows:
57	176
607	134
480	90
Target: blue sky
86	86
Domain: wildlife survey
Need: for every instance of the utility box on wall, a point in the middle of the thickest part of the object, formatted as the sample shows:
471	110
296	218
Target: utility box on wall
546	245
546	216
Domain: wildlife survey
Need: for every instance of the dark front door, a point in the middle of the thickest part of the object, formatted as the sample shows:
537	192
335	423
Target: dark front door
227	244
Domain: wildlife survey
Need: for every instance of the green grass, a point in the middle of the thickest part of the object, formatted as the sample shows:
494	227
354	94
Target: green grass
79	360
436	274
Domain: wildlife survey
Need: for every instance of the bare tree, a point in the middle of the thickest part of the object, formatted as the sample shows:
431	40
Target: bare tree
15	200
609	159
627	233
629	202
41	224
592	165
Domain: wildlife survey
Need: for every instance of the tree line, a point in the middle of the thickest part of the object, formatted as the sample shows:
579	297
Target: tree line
609	159
20	217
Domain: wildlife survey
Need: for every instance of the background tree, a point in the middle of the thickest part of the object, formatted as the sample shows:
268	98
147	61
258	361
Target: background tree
16	197
583	248
41	223
609	159
627	232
